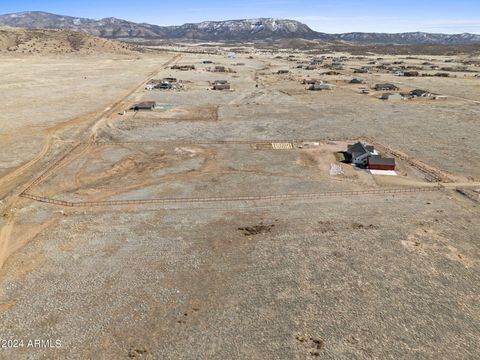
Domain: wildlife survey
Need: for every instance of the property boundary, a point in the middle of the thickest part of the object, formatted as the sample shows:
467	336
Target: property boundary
292	196
431	174
209	142
50	169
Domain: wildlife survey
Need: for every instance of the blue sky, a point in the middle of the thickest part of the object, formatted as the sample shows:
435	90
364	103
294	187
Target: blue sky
448	16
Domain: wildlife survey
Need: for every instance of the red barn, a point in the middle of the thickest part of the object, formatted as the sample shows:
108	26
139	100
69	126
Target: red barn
377	162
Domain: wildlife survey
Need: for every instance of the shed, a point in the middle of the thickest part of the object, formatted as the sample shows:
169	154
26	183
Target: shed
146	105
391	97
219	68
376	162
221	85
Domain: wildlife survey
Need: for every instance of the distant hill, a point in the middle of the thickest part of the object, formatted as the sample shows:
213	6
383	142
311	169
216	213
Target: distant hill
411	38
45	41
231	30
244	30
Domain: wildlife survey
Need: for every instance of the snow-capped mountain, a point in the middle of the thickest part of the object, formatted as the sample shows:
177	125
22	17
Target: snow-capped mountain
231	30
410	38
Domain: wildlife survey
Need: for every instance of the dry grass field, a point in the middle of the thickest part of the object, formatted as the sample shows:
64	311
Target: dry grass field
213	226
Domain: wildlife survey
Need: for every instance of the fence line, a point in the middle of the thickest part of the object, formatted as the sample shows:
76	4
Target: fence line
431	174
50	169
210	142
291	196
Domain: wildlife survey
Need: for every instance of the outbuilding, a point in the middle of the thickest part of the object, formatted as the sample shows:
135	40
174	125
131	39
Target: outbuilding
386	87
420	93
391	97
356	81
319	86
377	162
165	85
221	85
219	68
146	105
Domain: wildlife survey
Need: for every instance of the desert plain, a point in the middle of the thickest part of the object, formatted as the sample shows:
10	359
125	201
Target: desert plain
221	225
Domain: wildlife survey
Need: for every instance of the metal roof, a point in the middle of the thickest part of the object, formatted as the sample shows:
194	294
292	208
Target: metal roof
378	160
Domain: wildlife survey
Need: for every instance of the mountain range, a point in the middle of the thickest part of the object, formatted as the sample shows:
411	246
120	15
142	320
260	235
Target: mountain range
231	30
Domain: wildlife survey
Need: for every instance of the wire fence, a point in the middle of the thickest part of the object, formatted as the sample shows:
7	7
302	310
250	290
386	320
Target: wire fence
431	174
50	169
291	196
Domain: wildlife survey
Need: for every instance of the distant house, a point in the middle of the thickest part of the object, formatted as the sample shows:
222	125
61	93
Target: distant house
386	87
420	93
221	85
376	162
146	105
219	69
183	67
282	72
165	85
356	81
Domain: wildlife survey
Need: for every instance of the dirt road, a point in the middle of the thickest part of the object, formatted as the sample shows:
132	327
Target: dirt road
16	182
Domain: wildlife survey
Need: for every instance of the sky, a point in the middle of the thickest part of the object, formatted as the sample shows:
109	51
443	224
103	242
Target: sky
331	16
